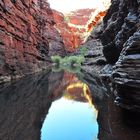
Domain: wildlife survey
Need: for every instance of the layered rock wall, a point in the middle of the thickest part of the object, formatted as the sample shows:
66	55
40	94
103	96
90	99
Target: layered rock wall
27	37
121	39
120	23
70	37
72	27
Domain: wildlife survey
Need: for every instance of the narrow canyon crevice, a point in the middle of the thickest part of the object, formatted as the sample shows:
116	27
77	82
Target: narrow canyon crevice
31	32
108	80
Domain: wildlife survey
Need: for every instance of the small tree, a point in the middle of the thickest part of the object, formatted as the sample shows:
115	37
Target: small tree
83	50
56	59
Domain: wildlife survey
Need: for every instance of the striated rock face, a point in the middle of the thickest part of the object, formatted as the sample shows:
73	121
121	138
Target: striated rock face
27	37
115	123
80	17
72	27
127	74
120	23
96	19
75	26
71	37
121	39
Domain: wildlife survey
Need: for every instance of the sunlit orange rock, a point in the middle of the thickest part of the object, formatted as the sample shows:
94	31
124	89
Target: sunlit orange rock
80	17
70	39
72	27
96	20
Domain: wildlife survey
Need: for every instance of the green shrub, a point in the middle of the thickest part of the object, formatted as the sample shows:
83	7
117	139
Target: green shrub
68	60
83	50
56	59
66	19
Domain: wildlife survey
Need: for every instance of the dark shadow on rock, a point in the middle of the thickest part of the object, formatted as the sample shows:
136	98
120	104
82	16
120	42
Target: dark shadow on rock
114	122
24	105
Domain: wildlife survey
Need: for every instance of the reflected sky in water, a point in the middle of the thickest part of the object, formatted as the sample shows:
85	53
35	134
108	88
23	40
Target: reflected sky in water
70	120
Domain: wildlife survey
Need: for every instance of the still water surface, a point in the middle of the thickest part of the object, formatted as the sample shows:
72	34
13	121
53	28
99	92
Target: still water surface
63	106
70	120
73	116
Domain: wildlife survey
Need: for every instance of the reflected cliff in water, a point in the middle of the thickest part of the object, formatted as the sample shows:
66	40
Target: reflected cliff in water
24	107
73	116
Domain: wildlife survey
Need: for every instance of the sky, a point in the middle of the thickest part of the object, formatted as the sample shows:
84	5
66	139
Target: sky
65	6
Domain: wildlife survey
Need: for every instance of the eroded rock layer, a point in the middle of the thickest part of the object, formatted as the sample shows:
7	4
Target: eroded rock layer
71	37
127	73
27	37
119	24
72	27
121	40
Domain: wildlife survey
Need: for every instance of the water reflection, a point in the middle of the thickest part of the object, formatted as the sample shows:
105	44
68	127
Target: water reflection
73	116
70	120
24	105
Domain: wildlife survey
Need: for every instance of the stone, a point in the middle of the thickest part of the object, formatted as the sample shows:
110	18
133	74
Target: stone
27	37
119	24
127	74
72	27
120	37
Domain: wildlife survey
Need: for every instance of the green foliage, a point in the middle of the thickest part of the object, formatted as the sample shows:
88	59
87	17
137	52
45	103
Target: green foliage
83	50
56	59
66	19
69	63
68	60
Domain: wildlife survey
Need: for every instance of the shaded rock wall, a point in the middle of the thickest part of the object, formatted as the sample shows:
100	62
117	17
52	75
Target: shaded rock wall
127	73
120	37
120	23
24	105
114	122
27	37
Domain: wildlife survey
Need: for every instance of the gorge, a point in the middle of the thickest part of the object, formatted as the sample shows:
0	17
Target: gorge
31	32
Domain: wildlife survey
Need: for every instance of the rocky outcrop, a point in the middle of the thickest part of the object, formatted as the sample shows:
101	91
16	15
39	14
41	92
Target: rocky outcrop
72	27
71	38
114	123
126	74
75	26
120	23
27	37
121	39
96	19
80	17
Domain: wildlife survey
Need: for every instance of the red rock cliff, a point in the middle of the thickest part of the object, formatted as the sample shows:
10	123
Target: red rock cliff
27	37
72	27
75	26
70	38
